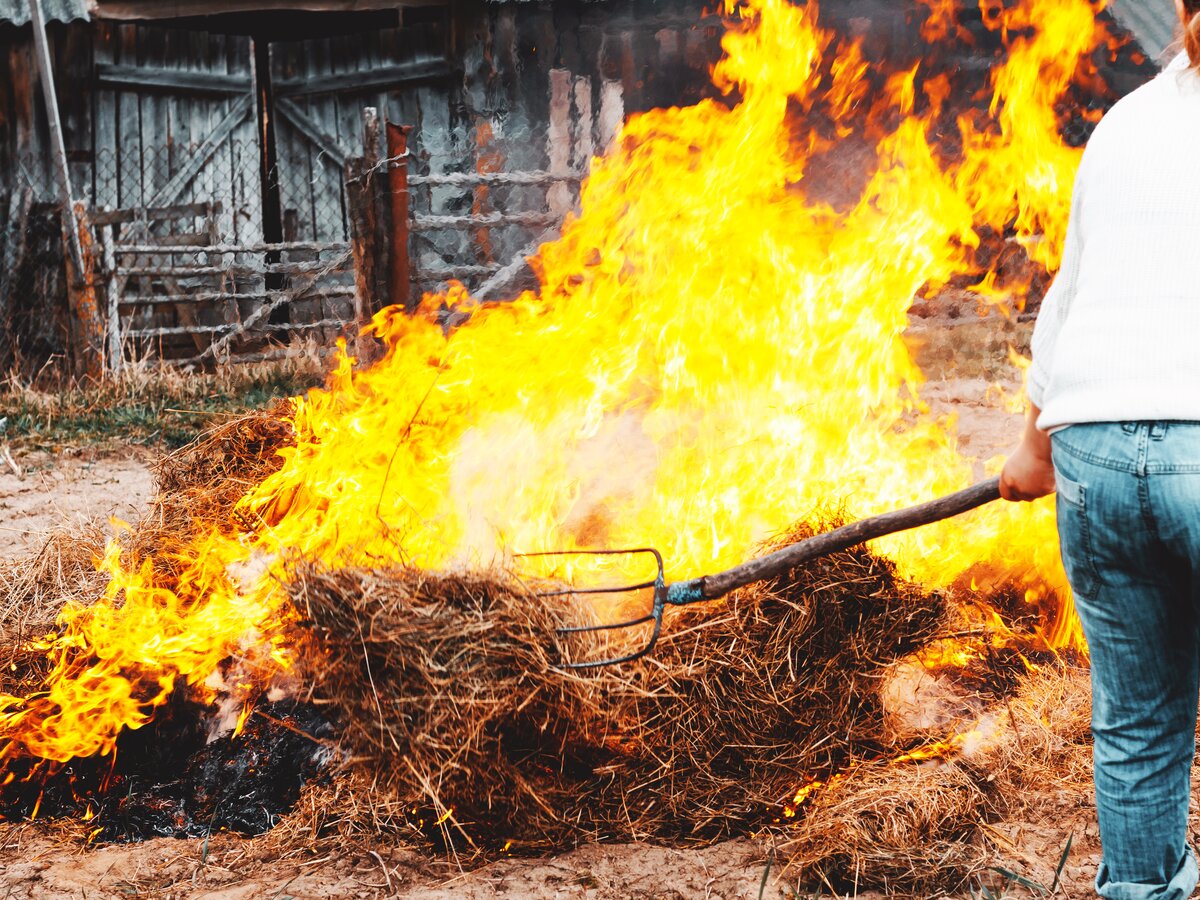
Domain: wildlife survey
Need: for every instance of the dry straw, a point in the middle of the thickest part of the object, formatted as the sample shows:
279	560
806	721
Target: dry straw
461	732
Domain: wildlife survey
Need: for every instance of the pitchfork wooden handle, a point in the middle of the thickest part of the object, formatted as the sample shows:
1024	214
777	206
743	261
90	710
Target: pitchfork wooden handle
786	559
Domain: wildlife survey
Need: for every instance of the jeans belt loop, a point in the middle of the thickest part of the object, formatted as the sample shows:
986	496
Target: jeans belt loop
1158	430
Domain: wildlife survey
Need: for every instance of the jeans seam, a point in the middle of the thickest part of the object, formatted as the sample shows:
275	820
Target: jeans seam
1096	460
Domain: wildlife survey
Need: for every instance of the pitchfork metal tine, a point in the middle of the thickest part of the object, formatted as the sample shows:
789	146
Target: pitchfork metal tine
655	615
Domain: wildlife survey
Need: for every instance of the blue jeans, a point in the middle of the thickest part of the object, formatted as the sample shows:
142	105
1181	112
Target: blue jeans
1129	524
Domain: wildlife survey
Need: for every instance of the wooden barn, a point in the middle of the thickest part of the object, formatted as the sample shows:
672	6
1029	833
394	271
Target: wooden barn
216	147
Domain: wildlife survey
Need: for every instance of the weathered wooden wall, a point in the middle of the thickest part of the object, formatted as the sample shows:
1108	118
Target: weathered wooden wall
165	113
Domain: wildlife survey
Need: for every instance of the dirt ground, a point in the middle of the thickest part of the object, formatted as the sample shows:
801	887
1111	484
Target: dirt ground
37	861
44	492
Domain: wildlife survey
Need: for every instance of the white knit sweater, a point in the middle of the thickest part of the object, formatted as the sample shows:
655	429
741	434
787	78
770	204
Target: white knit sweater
1118	336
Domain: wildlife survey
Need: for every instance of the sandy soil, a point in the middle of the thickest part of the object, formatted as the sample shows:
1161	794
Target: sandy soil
59	492
37	862
38	867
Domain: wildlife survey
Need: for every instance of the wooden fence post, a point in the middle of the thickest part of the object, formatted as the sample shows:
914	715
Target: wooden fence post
112	296
87	327
399	274
360	205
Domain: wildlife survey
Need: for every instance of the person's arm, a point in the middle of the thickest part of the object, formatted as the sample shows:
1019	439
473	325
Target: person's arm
1029	472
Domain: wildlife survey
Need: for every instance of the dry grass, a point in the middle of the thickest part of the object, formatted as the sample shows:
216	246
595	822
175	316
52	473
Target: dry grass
149	403
917	829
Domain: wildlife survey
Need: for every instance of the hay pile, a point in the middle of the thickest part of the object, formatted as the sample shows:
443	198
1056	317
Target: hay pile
463	734
201	482
917	829
451	693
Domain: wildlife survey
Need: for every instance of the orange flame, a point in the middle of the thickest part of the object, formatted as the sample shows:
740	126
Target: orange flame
712	356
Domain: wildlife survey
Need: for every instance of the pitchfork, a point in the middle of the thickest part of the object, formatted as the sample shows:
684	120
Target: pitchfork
713	587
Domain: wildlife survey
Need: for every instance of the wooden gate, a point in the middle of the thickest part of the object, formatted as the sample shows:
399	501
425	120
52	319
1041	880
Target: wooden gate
179	198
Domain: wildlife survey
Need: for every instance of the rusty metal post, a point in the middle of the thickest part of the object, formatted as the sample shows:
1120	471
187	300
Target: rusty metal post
399	271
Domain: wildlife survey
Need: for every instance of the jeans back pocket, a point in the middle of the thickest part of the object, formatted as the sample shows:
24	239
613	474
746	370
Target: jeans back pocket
1074	535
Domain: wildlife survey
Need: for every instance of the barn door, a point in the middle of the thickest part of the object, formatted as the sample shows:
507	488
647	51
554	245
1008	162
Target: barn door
175	125
194	268
320	87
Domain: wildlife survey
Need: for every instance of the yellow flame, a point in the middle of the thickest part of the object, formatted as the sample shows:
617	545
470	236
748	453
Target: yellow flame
712	355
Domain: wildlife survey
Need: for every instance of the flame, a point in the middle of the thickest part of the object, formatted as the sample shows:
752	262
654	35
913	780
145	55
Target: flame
714	353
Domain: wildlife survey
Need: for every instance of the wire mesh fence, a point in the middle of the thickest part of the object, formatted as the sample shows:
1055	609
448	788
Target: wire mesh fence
180	259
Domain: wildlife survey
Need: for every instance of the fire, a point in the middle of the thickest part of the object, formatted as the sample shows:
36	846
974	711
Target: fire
713	355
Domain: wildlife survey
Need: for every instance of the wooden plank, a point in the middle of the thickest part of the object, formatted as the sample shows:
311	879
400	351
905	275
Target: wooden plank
612	113
14	250
279	268
155	120
399	270
170	192
558	140
179	104
127	10
291	152
302	122
211	296
328	196
362	82
468	223
245	166
211	249
584	126
131	190
112	296
153	78
58	149
32	155
223	53
362	238
74	64
105	144
201	121
176	211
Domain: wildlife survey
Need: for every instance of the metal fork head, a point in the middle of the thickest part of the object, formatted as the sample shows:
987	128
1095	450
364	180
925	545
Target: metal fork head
655	615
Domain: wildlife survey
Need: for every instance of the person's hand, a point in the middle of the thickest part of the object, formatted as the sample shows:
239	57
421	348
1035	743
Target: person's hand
1028	473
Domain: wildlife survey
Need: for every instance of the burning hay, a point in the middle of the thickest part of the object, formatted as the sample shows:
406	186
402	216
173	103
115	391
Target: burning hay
449	687
203	481
764	713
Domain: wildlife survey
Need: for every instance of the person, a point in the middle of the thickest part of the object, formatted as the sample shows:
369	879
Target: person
1114	426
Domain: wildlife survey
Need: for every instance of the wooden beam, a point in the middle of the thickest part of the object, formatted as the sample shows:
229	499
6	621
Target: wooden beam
118	77
399	269
153	214
361	209
367	81
57	147
126	10
306	125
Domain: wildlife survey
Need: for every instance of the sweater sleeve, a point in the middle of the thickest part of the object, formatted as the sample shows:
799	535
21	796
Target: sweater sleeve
1058	300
